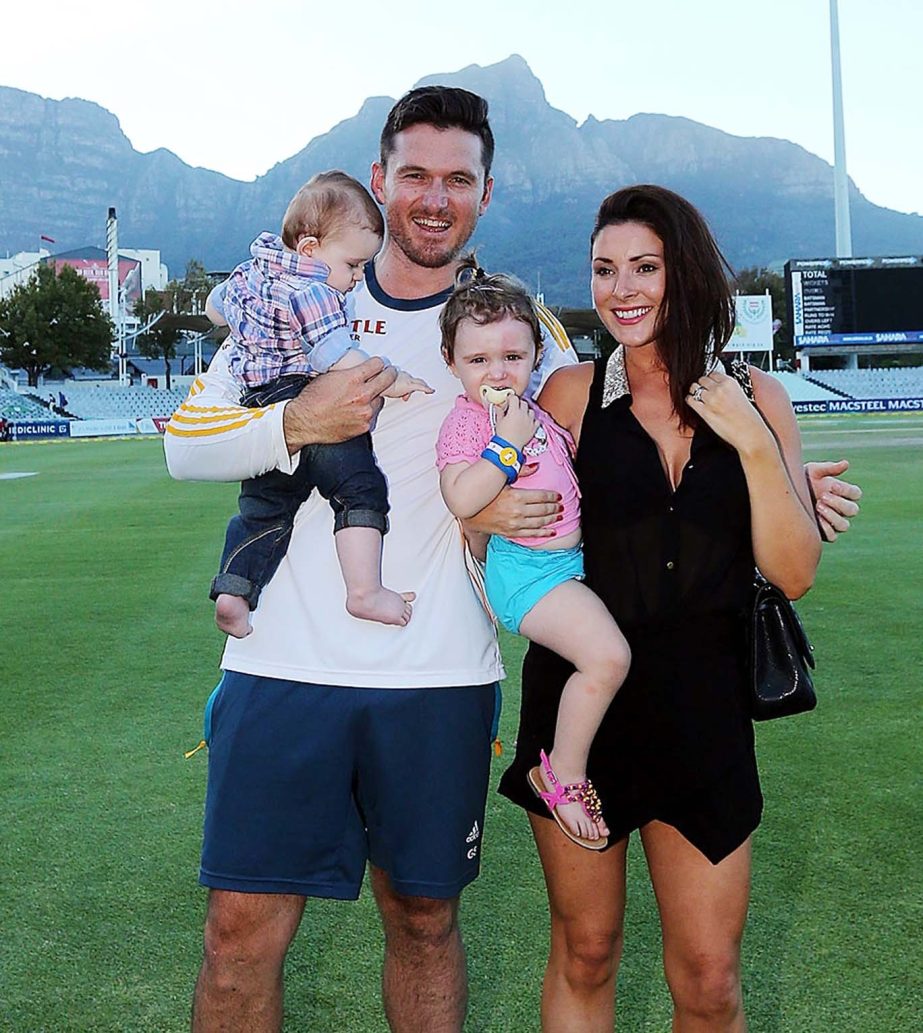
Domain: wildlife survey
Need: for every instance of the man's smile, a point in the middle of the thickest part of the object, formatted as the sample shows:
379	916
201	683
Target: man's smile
431	225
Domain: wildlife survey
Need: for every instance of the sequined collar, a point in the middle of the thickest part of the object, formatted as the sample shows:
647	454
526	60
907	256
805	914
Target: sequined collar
615	383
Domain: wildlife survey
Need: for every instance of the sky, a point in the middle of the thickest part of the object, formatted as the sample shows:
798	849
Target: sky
236	94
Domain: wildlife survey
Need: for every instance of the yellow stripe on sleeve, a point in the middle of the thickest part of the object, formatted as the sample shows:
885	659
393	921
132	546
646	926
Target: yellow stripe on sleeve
218	412
206	431
210	420
553	326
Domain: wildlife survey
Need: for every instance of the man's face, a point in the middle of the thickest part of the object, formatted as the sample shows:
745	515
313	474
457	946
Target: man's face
433	190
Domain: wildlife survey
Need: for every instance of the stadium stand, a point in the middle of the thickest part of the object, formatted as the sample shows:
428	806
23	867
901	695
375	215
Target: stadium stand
897	382
802	390
95	403
14	406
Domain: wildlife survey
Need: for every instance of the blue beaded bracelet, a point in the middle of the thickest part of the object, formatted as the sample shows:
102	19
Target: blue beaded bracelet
504	456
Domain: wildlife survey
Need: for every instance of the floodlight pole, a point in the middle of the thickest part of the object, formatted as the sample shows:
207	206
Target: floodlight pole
840	181
115	309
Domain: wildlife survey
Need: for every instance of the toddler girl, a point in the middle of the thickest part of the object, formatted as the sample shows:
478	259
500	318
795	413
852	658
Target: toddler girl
491	341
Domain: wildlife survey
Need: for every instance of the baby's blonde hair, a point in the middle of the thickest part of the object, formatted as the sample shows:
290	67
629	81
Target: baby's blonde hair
326	204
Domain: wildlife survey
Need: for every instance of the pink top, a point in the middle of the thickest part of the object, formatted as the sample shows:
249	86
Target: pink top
465	432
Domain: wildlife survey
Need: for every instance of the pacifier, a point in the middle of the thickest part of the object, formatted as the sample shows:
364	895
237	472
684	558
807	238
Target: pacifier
495	395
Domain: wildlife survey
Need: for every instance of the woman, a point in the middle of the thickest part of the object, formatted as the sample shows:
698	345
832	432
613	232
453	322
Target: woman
686	487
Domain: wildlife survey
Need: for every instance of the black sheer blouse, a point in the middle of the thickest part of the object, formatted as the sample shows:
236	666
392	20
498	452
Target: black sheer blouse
659	558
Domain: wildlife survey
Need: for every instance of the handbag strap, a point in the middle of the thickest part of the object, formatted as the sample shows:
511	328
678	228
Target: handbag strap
740	371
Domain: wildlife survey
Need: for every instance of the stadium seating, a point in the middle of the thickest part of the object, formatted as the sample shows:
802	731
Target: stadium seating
91	402
897	382
801	390
104	403
15	406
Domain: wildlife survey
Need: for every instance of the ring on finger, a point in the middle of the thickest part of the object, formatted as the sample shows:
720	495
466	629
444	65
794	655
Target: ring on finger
697	392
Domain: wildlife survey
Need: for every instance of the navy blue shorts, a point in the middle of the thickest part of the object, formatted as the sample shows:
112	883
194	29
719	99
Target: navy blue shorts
306	783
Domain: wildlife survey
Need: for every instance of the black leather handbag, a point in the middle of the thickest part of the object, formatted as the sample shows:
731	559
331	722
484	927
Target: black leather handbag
781	657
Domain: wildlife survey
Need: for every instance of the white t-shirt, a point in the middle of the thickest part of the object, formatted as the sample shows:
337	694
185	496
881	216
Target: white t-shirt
301	630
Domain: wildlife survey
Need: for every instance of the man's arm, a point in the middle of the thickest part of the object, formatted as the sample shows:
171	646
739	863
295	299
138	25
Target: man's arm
337	406
211	437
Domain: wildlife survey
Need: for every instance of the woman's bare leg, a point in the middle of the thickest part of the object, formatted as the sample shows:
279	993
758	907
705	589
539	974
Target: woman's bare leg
586	897
703	910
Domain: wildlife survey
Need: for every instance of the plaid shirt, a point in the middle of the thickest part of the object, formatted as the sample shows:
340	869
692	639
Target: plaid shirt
283	315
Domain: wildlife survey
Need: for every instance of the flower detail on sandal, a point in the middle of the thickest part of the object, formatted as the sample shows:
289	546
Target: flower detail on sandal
583	793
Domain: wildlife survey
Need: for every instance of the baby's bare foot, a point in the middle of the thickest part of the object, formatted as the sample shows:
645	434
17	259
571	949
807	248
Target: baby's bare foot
382	605
232	615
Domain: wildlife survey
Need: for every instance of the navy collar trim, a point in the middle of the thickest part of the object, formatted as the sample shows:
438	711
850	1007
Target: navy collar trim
401	304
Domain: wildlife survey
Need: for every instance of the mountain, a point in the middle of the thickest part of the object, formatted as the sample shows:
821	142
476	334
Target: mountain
63	163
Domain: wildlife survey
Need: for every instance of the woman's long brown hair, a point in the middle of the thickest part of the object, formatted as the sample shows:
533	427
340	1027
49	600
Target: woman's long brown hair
697	315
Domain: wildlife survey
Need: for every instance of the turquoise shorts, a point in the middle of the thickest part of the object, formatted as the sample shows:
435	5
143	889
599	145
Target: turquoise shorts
518	576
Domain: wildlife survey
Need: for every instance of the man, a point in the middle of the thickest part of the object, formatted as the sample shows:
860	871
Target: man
333	742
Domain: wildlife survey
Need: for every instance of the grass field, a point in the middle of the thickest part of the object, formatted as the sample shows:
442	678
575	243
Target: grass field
108	653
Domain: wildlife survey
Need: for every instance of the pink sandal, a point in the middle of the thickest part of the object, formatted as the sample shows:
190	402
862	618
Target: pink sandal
580	792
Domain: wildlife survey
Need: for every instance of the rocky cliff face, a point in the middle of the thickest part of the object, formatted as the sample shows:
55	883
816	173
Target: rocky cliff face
56	158
63	163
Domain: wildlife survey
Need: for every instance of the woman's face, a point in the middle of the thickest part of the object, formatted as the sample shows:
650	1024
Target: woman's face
629	282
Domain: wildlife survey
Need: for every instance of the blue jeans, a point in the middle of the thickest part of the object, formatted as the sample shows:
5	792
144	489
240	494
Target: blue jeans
345	473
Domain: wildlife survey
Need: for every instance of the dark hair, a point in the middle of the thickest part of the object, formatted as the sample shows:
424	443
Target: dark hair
696	320
486	298
325	204
445	107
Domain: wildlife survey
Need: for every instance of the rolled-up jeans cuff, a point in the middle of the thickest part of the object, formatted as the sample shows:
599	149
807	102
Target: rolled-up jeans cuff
361	518
234	584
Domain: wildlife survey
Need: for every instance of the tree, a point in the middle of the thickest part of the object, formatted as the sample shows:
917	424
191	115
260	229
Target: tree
758	280
179	297
159	341
197	284
187	296
54	321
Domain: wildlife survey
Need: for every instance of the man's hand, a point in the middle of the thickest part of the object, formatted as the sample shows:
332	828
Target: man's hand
337	406
518	513
835	501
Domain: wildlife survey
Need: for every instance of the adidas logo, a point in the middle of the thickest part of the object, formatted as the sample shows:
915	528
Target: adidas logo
474	834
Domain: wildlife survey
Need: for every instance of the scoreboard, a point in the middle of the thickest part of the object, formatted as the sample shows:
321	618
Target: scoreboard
855	301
